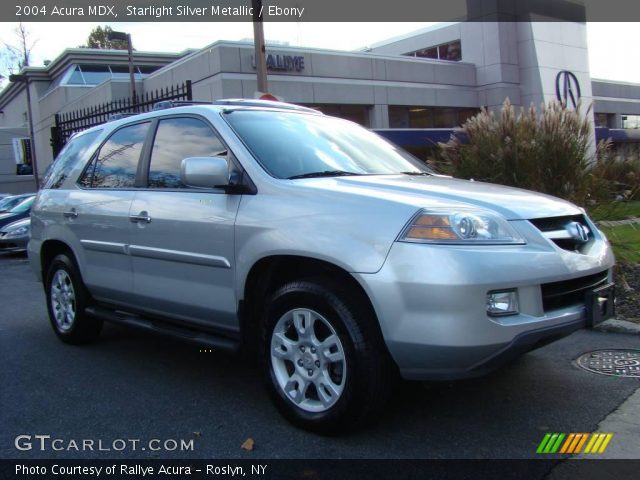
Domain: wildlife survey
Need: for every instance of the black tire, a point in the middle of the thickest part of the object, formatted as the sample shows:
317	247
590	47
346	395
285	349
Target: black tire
81	328
368	368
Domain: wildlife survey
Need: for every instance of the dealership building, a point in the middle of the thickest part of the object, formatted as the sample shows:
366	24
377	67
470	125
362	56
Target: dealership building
418	83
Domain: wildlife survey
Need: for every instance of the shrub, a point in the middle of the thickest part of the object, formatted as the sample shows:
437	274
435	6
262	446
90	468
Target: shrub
549	152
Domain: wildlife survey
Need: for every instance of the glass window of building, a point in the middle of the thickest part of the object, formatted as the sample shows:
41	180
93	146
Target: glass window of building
451	51
355	113
428	117
96	74
631	121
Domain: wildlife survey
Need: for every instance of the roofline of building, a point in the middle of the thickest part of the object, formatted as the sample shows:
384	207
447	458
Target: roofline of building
615	82
415	33
295	48
71	56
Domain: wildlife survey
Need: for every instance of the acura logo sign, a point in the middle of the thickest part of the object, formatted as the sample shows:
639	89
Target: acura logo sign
578	232
567	88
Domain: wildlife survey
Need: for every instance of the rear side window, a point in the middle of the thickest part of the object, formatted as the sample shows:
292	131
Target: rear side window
117	162
73	152
177	139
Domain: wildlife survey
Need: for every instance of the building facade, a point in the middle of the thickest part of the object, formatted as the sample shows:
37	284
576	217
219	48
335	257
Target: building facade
431	79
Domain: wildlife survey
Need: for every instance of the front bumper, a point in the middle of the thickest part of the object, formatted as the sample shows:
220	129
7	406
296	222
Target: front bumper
431	303
15	243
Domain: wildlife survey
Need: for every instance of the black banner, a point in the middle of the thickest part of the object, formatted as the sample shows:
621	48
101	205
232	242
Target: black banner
555	468
318	11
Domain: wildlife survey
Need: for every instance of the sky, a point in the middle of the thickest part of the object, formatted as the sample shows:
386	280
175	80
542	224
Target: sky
611	45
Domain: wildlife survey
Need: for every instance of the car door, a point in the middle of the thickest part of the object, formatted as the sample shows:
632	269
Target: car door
98	213
182	239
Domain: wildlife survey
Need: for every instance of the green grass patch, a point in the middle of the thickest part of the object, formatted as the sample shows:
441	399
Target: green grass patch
625	240
615	211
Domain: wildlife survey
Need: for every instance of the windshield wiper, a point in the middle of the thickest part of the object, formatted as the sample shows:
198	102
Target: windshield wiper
425	174
325	173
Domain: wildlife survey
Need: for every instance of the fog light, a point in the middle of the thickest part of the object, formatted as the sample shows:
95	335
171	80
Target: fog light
504	302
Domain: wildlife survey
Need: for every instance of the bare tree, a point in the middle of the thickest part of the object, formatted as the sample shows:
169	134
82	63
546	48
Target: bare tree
16	55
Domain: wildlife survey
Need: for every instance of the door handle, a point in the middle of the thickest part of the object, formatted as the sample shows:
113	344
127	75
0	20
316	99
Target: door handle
70	214
142	217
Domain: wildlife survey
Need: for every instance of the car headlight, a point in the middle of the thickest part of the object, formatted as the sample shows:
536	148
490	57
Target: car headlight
18	232
460	226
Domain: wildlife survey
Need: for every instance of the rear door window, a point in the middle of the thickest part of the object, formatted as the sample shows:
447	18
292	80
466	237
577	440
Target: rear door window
117	162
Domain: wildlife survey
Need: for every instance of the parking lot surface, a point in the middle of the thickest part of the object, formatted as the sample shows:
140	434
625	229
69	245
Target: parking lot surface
132	385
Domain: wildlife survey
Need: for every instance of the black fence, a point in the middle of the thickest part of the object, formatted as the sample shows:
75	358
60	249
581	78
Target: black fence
66	124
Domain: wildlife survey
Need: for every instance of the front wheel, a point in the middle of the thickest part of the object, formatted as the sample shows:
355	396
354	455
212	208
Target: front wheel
67	298
324	360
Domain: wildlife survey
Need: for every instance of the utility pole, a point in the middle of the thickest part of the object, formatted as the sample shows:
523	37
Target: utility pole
258	40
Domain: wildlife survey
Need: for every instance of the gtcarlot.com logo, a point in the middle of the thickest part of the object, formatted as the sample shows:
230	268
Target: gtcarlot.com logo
574	443
45	443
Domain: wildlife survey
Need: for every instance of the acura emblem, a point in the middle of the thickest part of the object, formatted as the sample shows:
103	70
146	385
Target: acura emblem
578	232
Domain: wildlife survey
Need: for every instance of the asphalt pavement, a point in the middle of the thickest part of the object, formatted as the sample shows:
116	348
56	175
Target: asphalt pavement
132	385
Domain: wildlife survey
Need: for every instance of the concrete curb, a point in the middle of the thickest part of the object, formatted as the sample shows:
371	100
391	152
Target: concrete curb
618	326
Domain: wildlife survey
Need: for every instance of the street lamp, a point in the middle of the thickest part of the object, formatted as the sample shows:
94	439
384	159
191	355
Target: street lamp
25	79
126	37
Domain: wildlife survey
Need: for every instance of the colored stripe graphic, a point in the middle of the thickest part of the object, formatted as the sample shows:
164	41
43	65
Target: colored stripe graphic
556	443
605	442
567	444
543	443
583	439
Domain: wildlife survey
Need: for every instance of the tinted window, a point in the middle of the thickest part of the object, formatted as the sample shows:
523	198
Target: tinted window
177	139
292	144
117	161
77	149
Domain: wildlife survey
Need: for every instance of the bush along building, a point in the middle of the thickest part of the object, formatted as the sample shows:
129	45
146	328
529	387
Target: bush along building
413	89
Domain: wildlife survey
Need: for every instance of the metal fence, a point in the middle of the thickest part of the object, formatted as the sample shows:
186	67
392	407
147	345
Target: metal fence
68	123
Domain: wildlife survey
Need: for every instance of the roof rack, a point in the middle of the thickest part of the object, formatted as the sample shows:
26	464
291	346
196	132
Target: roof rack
239	102
118	116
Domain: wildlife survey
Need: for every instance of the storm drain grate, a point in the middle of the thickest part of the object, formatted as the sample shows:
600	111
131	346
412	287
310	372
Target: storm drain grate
618	363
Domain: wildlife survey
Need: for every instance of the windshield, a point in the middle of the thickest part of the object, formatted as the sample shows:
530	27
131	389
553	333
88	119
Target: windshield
295	145
23	206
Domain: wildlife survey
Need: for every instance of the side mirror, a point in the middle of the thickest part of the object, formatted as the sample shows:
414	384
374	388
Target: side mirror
205	172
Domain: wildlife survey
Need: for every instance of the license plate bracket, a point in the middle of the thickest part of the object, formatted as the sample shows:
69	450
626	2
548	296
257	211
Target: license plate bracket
600	304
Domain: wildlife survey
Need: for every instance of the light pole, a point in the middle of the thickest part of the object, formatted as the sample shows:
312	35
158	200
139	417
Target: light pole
258	41
126	37
34	163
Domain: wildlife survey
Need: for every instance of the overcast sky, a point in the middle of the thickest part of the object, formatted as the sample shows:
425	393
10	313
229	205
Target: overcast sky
613	51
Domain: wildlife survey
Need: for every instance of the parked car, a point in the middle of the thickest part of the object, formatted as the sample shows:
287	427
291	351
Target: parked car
15	236
10	201
18	212
338	257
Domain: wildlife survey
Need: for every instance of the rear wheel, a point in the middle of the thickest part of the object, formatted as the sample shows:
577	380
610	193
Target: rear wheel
324	360
67	298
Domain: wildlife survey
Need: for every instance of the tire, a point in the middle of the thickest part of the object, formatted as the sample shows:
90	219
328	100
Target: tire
332	377
67	299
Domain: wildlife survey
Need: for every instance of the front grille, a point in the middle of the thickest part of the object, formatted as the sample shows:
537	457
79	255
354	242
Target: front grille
558	230
570	292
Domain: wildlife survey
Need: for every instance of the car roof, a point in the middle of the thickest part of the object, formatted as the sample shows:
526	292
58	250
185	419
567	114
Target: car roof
167	107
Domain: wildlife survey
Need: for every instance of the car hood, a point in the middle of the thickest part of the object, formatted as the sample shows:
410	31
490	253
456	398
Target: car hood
440	191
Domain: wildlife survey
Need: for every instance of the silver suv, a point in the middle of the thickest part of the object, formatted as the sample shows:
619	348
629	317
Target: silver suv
338	257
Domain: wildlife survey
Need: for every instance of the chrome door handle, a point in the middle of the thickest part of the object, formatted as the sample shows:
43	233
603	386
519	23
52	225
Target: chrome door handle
70	214
142	217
